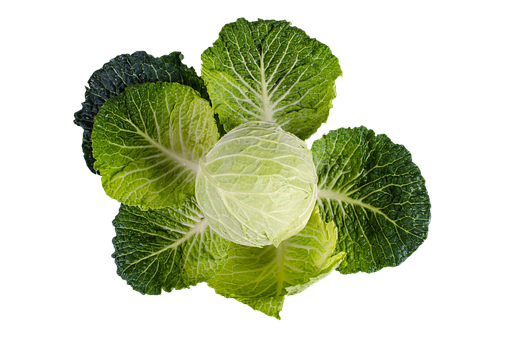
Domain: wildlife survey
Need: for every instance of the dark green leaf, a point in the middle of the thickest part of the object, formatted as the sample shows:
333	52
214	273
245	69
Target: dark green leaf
376	196
125	70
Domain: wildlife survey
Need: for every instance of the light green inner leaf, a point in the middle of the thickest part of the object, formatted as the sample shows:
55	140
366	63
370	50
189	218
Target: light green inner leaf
254	275
148	142
257	186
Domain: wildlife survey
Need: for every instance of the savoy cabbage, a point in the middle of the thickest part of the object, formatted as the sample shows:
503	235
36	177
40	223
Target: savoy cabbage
217	185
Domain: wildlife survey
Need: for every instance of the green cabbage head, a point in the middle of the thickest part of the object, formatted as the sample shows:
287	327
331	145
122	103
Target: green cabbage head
258	185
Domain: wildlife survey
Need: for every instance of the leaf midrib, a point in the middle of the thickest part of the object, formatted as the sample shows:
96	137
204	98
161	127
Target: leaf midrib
266	105
169	153
199	228
343	197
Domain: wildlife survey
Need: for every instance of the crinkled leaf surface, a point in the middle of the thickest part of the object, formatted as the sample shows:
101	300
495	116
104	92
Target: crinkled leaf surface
268	70
166	249
271	306
125	70
148	141
261	277
376	196
257	186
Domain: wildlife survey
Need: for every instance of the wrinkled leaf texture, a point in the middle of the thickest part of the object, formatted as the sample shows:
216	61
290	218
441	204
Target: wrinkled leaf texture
166	249
376	196
148	142
262	277
269	70
125	70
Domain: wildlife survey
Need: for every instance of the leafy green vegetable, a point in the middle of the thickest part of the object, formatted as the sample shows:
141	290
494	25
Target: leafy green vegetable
375	194
268	70
257	186
261	277
254	214
125	70
148	142
166	249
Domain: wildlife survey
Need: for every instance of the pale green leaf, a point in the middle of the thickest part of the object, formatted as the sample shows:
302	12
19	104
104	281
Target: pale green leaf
125	70
258	276
166	249
268	70
271	306
148	141
376	196
257	186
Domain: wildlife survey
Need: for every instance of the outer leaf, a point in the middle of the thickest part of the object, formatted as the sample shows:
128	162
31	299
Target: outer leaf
271	306
166	249
376	196
268	70
261	277
148	141
125	70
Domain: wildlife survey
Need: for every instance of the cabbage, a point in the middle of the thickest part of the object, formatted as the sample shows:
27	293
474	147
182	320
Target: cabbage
252	212
258	185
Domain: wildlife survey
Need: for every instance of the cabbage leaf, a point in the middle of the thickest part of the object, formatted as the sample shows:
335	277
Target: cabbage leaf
148	142
257	186
376	196
166	249
255	214
268	70
262	277
125	70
